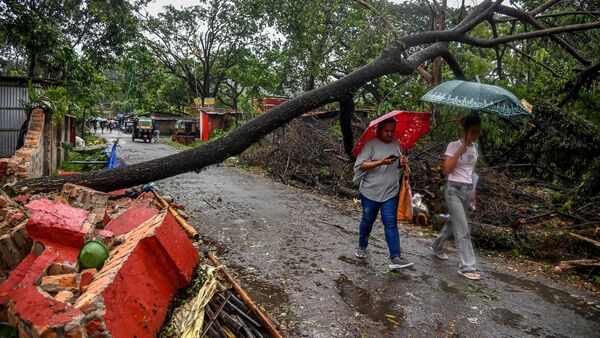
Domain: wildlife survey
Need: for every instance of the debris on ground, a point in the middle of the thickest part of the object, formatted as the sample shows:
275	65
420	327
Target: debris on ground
87	263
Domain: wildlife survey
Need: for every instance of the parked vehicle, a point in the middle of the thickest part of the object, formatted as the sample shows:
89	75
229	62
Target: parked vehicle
142	129
187	128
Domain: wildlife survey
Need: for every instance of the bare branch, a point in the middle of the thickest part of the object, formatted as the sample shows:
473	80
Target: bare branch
546	5
383	18
449	36
582	78
554	15
526	17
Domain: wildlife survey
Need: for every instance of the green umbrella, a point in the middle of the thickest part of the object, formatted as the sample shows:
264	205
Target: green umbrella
477	96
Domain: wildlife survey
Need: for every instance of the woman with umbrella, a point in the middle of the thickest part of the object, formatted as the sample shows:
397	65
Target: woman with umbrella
378	174
461	157
460	160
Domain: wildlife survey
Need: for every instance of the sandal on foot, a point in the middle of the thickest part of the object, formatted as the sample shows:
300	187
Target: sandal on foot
440	255
472	275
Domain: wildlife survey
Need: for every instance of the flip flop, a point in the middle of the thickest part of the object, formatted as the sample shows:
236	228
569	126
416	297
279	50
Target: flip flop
472	275
442	256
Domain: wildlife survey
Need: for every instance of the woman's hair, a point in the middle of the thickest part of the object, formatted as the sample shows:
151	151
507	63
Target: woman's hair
386	121
470	121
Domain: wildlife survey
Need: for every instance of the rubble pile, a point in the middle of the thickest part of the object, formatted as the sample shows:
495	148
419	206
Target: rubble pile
46	291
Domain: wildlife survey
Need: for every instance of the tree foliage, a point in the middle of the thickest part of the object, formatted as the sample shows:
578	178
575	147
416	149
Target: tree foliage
363	51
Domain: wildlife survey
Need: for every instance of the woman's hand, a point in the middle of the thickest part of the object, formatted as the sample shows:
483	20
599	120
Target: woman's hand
462	149
374	164
386	160
473	200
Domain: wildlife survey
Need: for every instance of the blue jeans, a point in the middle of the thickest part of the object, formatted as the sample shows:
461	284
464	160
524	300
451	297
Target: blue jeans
389	218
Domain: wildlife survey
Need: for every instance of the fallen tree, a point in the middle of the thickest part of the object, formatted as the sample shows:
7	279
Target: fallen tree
394	59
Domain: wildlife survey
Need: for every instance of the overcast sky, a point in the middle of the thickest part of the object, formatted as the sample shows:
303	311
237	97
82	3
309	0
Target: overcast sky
157	5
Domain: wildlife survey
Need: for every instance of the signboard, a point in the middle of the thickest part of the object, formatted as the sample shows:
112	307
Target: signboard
209	102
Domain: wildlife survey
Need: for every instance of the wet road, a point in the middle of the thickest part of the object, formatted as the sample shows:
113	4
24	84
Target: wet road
293	252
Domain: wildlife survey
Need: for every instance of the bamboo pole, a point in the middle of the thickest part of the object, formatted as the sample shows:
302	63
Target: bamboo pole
188	228
263	319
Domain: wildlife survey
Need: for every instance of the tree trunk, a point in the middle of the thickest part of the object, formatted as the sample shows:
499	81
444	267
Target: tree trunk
346	112
238	140
32	64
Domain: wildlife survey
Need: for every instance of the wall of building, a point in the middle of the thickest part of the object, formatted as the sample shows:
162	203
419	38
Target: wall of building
42	150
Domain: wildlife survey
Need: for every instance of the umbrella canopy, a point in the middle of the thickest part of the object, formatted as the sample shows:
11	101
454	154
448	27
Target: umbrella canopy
477	96
410	126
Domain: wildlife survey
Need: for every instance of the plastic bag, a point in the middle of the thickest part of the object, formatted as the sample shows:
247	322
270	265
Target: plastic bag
405	208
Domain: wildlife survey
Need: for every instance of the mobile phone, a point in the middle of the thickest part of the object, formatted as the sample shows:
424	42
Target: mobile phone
392	157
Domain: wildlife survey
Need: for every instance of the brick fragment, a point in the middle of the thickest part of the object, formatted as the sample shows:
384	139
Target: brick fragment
57	283
65	296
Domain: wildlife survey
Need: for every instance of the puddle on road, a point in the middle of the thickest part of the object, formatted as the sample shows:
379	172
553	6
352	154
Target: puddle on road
361	300
551	295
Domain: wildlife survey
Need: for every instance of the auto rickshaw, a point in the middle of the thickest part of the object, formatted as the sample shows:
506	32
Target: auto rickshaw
186	131
142	128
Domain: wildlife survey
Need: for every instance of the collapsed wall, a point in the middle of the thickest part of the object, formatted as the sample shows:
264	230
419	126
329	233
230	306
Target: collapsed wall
49	293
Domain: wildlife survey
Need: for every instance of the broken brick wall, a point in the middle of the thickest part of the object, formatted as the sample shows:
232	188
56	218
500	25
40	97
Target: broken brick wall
50	294
42	151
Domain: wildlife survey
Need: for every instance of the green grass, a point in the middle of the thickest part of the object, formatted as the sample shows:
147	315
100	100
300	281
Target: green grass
74	156
192	145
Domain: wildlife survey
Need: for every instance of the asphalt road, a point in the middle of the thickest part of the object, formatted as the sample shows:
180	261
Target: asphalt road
293	252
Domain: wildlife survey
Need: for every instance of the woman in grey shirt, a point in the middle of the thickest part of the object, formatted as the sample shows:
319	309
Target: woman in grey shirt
379	174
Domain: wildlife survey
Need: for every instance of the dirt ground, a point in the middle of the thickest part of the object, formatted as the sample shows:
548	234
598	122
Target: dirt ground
293	252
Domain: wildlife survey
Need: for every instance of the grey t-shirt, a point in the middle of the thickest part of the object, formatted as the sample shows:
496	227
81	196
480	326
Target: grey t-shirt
383	182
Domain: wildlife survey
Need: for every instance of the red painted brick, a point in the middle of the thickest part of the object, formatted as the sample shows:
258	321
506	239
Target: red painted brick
130	219
106	218
94	326
30	269
119	192
154	274
41	311
22	198
56	223
178	247
86	278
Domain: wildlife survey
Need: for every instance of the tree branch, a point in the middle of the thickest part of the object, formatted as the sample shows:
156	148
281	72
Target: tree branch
526	17
532	59
453	64
383	18
449	36
346	112
582	78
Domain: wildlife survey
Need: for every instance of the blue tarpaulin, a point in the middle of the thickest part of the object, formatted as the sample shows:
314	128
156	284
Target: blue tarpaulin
112	159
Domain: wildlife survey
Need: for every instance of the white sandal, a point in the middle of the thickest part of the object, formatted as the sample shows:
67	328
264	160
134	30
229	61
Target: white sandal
472	275
442	255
